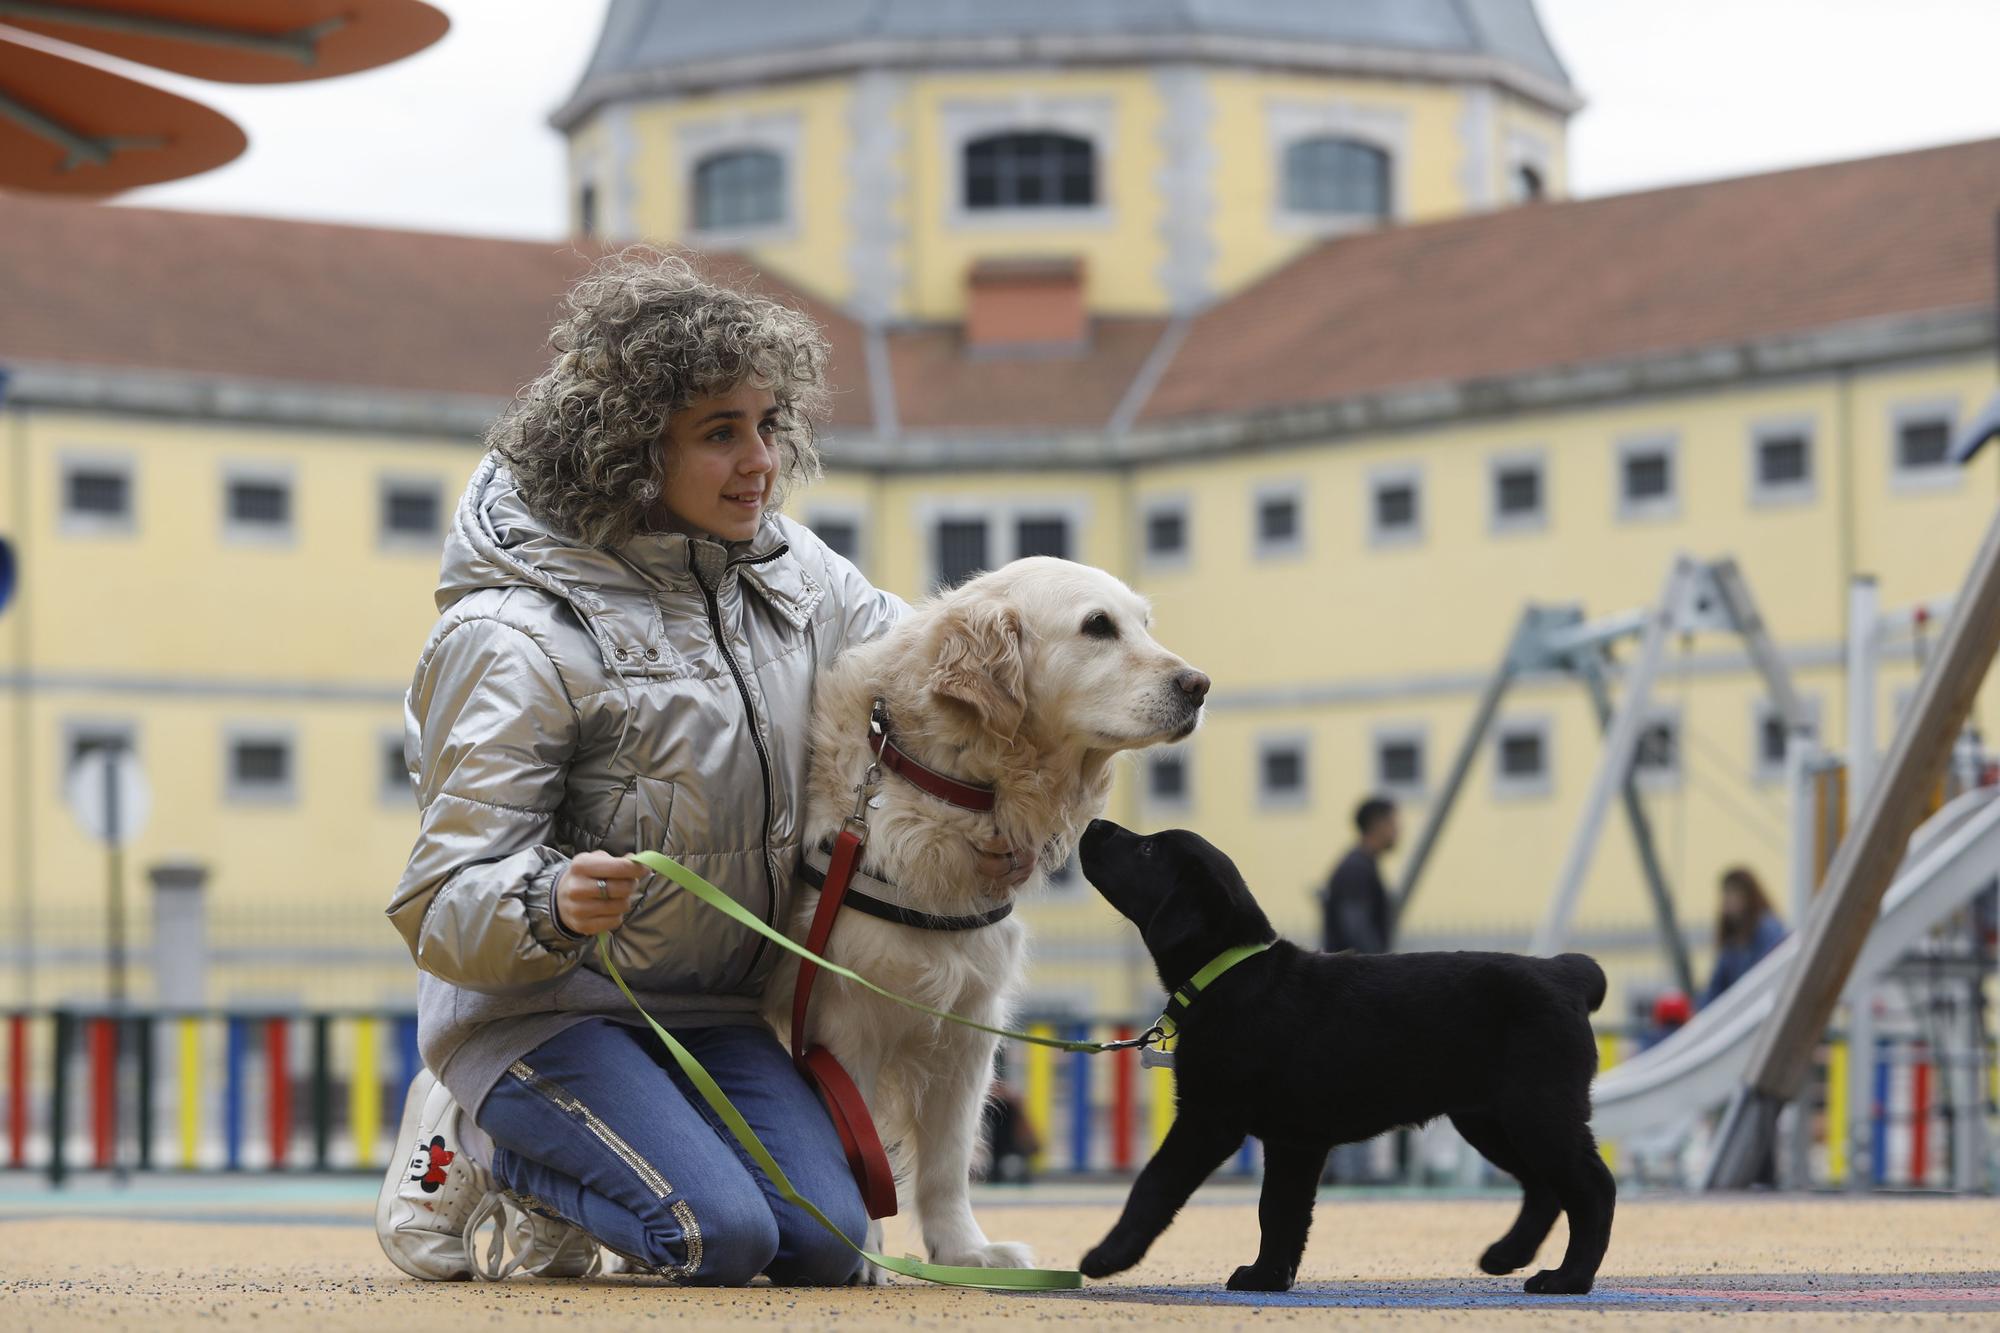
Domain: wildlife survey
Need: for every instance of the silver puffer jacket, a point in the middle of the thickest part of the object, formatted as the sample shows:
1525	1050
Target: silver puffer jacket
570	698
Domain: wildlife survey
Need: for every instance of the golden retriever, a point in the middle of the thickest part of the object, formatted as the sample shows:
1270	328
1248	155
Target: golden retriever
1029	679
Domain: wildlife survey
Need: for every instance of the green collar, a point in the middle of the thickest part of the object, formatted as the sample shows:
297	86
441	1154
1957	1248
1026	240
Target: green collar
1183	997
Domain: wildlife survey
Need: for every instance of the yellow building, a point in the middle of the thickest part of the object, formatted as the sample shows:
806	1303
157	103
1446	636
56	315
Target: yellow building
1271	345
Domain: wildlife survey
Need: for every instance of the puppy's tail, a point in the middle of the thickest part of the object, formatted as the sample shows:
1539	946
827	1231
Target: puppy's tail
1582	972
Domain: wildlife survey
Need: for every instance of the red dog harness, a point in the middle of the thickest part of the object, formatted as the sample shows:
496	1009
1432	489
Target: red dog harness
843	1100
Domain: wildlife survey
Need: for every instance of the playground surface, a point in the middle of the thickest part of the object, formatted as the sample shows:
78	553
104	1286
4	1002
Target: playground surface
171	1253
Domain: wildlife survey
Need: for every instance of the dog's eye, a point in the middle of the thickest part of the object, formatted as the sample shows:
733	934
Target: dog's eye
1100	626
1146	848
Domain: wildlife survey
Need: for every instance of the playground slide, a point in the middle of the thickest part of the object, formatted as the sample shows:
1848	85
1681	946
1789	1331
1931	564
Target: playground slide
1951	857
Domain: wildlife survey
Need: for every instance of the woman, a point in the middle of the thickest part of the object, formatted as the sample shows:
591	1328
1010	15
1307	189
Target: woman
624	661
1745	930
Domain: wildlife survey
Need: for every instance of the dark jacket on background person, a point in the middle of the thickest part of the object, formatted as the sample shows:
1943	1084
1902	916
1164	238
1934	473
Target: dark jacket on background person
1355	906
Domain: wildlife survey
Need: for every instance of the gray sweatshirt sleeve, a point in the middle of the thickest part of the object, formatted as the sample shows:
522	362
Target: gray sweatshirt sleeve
489	734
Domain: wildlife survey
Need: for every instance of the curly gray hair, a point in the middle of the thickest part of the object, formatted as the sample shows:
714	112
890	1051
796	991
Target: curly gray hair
642	336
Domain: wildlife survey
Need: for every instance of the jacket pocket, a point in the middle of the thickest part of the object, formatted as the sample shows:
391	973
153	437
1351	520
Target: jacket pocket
654	811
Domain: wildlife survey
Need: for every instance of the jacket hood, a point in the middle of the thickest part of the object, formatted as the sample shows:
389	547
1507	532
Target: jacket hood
497	542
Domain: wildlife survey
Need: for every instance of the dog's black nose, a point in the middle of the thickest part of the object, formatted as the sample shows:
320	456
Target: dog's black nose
1193	684
1096	831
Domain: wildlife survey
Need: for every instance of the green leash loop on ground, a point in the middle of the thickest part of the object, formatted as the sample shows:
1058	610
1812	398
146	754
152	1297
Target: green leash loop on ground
997	1279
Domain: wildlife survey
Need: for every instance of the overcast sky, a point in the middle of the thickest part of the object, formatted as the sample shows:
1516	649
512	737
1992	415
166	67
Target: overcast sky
456	138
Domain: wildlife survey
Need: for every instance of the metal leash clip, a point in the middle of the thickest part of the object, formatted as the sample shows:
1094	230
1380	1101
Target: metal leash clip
864	798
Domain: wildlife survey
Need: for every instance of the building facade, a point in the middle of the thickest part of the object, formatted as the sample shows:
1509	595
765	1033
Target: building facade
1303	341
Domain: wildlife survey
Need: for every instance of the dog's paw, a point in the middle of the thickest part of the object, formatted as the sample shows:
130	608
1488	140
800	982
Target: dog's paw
994	1254
1112	1255
1499	1260
1252	1278
1554	1282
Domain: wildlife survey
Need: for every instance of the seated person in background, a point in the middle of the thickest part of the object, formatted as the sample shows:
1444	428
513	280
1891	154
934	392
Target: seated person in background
1745	930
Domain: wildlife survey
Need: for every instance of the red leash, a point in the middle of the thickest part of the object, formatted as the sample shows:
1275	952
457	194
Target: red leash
844	1103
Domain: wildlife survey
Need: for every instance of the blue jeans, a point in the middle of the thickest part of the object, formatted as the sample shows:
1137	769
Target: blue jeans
599	1126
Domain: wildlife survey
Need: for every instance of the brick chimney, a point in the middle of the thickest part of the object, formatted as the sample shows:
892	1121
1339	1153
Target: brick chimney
1021	305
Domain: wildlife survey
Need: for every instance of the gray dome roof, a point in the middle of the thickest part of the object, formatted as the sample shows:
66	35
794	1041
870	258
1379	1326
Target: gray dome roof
659	46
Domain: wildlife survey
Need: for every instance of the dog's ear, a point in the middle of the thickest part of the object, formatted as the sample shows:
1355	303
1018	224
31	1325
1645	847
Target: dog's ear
978	663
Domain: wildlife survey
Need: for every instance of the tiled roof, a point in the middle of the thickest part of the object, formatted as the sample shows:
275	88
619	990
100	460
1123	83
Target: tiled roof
1565	284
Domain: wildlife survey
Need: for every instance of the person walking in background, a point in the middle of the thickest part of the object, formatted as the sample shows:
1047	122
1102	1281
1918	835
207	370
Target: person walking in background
1745	930
1354	905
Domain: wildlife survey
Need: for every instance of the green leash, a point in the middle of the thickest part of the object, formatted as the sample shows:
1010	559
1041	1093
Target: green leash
995	1279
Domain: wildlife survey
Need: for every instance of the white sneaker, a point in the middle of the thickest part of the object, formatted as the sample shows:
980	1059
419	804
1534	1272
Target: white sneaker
429	1196
544	1245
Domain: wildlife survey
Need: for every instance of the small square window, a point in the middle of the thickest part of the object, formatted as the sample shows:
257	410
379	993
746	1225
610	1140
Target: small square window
1279	522
396	787
1166	533
961	550
1522	765
1518	492
259	502
1923	443
96	496
1647	485
1783	460
411	511
1399	764
1395	513
257	505
82	738
1656	758
1769	739
841	535
1167	778
260	768
1283	773
1042	536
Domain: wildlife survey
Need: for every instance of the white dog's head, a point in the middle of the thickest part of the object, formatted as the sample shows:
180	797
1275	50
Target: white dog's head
1062	650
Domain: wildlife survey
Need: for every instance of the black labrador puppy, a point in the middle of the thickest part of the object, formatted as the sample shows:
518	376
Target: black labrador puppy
1306	1050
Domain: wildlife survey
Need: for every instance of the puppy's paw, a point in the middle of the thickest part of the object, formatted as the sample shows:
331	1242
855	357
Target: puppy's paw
994	1254
1554	1282
1252	1278
1499	1259
1112	1255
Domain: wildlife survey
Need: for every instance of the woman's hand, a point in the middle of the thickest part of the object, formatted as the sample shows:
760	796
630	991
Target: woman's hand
595	893
1001	865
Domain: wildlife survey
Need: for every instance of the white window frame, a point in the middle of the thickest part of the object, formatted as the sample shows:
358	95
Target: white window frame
1762	711
1159	505
258	733
1663	779
1403	733
1510	787
960	122
1401	474
1946	476
1288	122
72	523
387	538
778	132
1182	752
1649	510
843	512
1288	548
1764	494
1001	517
1516	460
393	794
1286	740
260	472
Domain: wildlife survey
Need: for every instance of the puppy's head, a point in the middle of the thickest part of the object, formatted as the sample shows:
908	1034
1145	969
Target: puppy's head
1186	897
1068	646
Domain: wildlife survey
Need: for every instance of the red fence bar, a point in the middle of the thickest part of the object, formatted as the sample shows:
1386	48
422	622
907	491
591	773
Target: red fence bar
103	1090
1920	1112
278	1075
17	1090
1122	1110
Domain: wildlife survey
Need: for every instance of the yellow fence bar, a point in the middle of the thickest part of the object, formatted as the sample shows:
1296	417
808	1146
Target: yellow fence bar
1836	1113
364	1093
190	1089
1041	1091
1607	1056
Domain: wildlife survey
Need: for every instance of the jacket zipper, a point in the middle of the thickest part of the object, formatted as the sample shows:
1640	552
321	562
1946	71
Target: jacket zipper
763	756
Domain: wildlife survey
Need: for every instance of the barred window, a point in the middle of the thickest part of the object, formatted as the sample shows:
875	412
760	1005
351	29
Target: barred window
1042	536
961	550
1337	176
1036	170
743	188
